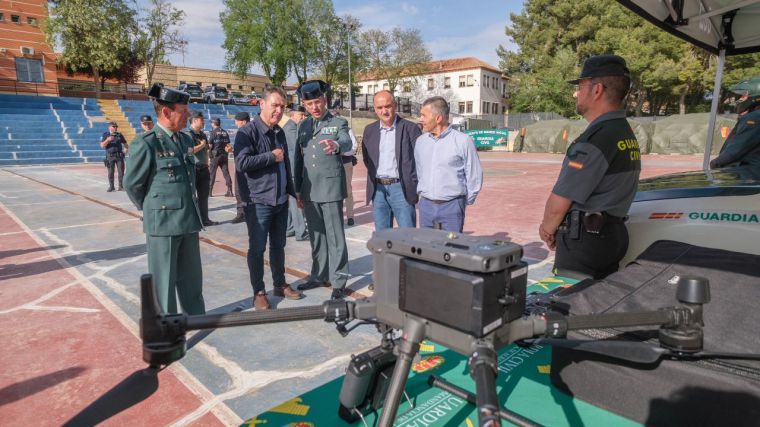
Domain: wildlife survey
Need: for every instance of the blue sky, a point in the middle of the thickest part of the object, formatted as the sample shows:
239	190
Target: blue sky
449	28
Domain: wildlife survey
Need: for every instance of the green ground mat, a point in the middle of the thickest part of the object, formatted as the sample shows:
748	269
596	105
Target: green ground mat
523	387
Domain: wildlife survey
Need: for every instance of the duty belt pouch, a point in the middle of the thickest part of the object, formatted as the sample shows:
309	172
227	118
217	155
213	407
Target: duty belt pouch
593	222
574	226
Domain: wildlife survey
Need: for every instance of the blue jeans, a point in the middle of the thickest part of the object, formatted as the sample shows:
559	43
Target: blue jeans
272	221
448	215
389	202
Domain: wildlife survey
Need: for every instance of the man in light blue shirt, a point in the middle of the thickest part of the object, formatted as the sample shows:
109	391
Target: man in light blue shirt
448	169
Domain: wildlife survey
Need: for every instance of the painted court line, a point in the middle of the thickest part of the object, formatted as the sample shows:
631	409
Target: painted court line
220	409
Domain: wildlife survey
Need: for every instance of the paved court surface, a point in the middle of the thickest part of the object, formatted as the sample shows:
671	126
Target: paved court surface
70	258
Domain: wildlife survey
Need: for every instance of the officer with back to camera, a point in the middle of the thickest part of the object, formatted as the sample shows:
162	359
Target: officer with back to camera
220	147
742	147
116	146
584	215
160	181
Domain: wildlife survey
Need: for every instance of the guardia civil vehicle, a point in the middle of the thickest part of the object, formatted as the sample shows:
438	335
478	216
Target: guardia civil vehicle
716	208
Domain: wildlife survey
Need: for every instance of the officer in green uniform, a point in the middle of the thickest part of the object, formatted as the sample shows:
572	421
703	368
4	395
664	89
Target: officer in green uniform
321	187
583	218
202	173
160	181
742	147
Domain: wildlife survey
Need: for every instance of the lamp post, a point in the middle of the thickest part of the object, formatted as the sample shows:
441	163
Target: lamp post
349	28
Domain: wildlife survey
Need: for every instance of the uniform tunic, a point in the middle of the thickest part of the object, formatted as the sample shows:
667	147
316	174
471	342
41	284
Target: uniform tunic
600	174
742	146
160	181
320	180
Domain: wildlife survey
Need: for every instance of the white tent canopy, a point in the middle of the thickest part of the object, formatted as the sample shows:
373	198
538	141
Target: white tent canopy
722	27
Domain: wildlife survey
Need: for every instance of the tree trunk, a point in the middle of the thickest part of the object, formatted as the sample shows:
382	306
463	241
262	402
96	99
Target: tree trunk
640	103
682	102
96	77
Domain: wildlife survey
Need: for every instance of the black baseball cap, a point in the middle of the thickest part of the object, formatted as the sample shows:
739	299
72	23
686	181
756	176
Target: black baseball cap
313	89
242	115
197	115
146	118
297	107
216	121
114	124
165	94
602	66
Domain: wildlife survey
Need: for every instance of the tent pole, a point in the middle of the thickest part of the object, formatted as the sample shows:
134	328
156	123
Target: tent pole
714	108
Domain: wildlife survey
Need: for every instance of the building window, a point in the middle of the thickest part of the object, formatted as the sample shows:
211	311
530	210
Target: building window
431	84
462	81
229	86
16	19
469	107
496	84
446	82
198	83
29	70
485	107
485	80
386	86
2	17
407	87
240	87
31	21
470	80
495	108
461	108
504	109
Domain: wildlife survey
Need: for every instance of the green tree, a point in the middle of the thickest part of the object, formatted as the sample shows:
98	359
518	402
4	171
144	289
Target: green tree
93	34
159	35
394	55
330	60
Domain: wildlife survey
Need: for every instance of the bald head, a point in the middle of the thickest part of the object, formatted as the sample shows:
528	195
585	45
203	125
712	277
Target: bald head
385	107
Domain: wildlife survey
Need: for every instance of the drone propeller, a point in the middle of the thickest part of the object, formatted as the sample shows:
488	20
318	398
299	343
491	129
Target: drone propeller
130	391
635	352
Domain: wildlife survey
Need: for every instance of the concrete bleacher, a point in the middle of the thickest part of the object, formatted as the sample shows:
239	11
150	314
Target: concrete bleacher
49	130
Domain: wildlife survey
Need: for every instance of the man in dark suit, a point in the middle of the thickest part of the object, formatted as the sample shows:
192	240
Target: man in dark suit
388	153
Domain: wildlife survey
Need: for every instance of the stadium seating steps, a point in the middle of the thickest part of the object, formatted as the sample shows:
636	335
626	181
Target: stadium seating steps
37	130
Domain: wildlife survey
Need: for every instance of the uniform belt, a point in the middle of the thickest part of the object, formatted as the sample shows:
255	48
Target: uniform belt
608	219
386	181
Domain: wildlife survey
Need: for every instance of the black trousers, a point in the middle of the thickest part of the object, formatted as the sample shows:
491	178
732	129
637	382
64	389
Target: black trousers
220	161
595	255
113	162
202	185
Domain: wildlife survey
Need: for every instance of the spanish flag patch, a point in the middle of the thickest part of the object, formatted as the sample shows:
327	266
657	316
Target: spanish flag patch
575	165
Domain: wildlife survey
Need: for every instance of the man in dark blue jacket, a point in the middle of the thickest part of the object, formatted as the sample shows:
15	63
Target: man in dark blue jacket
265	181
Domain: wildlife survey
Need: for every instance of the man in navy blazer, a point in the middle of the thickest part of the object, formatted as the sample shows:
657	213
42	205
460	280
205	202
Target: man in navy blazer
388	153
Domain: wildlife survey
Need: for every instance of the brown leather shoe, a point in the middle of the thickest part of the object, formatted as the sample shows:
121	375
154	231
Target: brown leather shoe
260	301
286	291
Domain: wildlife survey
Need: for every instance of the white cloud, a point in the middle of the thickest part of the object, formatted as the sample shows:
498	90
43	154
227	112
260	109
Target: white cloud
409	9
481	45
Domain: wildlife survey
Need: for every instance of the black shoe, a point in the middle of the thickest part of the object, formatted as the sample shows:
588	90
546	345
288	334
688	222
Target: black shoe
121	188
229	194
291	234
371	287
350	222
238	219
110	189
312	285
341	293
209	223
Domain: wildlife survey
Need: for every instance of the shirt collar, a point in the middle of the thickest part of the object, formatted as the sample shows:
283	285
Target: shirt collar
263	128
610	115
166	131
393	125
443	134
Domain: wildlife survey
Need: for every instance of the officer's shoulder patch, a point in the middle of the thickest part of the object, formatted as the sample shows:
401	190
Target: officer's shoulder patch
750	122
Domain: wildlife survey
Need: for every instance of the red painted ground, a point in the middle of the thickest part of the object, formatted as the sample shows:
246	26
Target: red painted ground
57	361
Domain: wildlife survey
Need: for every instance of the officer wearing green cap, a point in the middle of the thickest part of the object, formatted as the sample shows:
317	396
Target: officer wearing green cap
321	187
160	181
742	147
584	215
